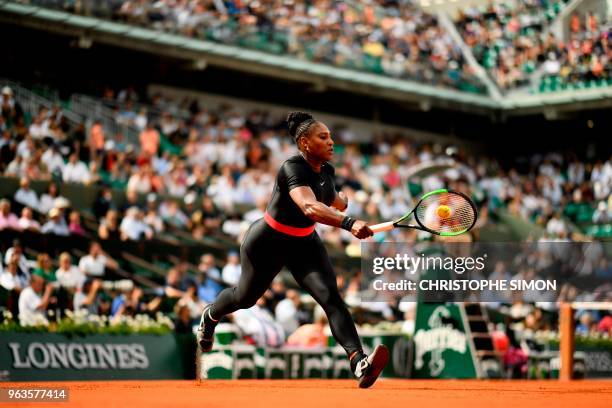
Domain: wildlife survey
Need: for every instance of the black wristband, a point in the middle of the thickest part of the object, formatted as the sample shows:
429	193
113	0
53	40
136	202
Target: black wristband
347	223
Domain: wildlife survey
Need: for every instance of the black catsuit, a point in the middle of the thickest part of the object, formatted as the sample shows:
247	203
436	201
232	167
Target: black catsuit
266	250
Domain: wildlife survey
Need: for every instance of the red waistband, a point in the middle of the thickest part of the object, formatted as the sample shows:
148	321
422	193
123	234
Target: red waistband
287	229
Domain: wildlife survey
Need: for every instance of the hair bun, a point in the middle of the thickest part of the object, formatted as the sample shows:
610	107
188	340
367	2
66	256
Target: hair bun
295	119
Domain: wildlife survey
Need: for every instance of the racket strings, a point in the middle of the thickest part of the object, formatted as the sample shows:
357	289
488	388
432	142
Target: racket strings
446	212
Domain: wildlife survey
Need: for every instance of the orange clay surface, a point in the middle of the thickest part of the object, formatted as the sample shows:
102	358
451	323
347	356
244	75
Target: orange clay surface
330	393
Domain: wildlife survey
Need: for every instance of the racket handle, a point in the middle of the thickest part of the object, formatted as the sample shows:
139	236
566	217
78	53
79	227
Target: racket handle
385	226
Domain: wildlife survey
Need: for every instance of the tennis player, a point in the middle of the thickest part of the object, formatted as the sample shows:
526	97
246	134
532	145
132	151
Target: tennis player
304	194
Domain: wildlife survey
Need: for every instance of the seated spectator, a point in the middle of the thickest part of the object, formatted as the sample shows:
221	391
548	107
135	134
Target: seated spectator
133	226
603	213
8	220
96	261
48	199
27	222
96	139
12	278
33	302
209	285
88	298
68	275
16	167
56	224
75	226
232	270
605	325
39	129
75	171
44	267
310	335
129	301
140	181
176	286
104	202
17	251
586	324
153	220
53	160
194	304
259	326
26	149
286	311
149	140
25	195
131	200
172	215
183	322
109	227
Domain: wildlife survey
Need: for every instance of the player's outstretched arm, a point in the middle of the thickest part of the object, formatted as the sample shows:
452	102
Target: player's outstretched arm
318	212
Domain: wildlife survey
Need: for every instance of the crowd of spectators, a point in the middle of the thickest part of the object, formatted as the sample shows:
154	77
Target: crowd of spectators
395	38
585	58
227	166
219	184
509	40
512	40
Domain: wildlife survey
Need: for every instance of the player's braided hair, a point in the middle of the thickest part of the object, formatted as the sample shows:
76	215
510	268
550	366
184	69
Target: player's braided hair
299	123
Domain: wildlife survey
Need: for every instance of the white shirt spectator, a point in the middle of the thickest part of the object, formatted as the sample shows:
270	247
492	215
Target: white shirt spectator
29	301
556	227
286	315
11	281
16	168
28	197
39	130
29	224
552	67
258	323
134	229
140	183
231	274
70	278
53	160
47	202
75	173
24	265
57	227
253	215
25	148
91	266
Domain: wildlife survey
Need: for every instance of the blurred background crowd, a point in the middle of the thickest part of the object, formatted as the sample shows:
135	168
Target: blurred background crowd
199	171
512	40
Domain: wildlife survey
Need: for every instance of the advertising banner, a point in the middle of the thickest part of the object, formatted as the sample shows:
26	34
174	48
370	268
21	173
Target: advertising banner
51	357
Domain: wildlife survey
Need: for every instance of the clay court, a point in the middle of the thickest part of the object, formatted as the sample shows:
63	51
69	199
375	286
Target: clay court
333	393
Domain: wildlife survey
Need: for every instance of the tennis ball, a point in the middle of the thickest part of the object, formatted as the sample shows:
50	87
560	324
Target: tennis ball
443	212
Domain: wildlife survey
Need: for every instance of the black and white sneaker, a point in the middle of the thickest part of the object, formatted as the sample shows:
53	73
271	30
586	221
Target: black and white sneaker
368	368
206	331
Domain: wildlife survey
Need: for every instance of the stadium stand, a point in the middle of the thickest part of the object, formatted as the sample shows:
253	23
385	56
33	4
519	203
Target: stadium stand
200	198
397	39
129	204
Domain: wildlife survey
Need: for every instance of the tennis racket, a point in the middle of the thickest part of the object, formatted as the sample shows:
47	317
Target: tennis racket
441	212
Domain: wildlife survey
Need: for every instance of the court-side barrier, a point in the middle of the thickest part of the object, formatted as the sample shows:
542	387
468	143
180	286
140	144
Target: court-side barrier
231	360
52	357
